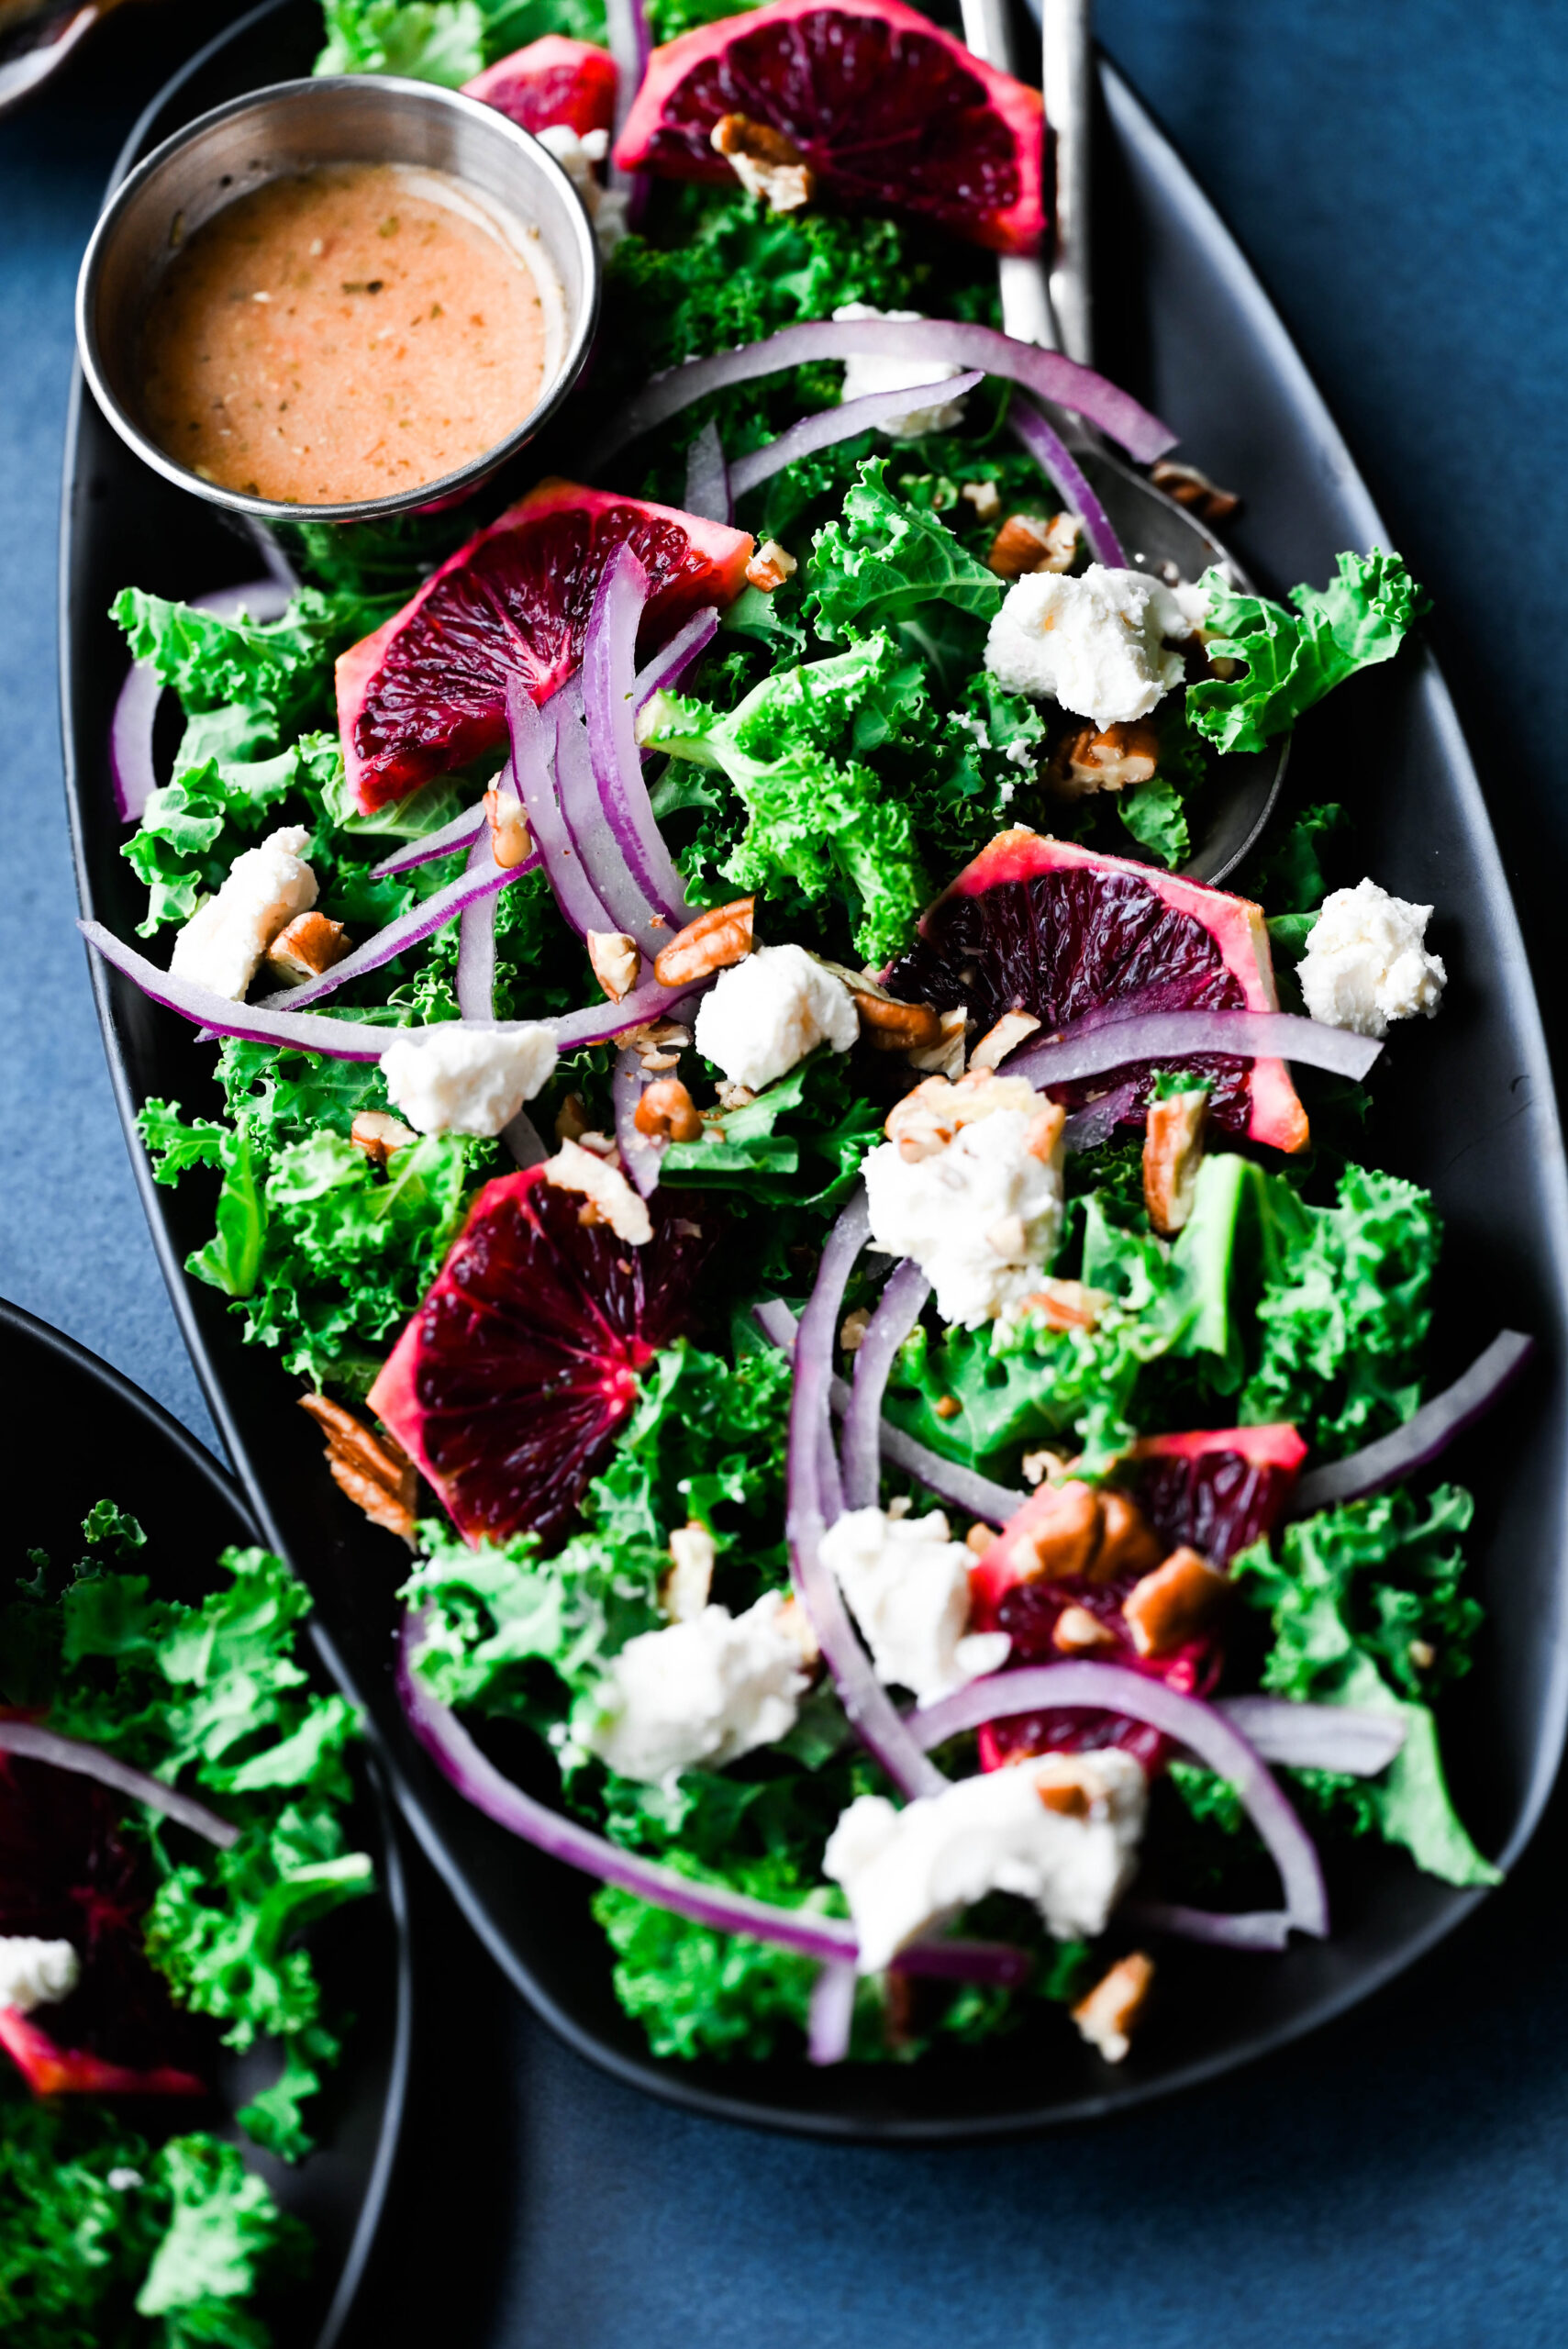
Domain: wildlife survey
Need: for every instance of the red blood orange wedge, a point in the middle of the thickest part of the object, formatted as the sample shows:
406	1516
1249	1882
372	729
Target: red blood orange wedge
1217	1488
1040	925
508	1385
886	109
428	691
554	79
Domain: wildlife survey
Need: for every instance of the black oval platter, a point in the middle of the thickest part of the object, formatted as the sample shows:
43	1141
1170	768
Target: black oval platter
105	1439
1464	1105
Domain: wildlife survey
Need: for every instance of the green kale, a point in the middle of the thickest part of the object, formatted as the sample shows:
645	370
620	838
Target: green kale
1293	659
1155	813
800	1143
165	2256
885	563
699	1992
444	40
1365	1607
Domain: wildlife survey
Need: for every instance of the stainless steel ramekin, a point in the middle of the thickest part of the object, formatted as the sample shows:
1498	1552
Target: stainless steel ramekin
288	128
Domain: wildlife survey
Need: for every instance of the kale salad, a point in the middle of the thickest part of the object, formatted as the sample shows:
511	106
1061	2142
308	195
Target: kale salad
856	1279
174	1815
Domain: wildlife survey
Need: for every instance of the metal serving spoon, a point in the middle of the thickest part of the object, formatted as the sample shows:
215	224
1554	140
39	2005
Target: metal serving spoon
1055	309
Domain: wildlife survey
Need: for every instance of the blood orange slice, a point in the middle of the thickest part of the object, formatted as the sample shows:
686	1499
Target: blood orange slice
428	691
887	110
508	1385
1217	1488
553	79
1040	925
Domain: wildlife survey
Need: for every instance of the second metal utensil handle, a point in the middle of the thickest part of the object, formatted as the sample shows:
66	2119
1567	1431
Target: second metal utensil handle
1067	80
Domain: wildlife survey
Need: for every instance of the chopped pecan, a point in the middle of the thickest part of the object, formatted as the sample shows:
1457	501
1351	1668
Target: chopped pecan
979	1537
717	938
851	1337
765	163
1173	1603
609	1197
947	1407
1056	1533
1107	2016
571	1119
1172	1152
1025	543
378	1134
1001	1039
945	1057
770	566
926	1119
684	1586
616	962
986	498
666	1112
1040	1466
310	945
793	1620
1045	1131
373	1470
1067	1305
889	1026
511	842
1088	762
1078	1632
1130	1545
1195	490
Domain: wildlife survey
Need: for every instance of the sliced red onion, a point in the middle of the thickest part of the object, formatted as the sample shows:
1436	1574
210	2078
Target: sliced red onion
1186	1720
476	977
831	425
73	1754
1315	1737
938	341
1421	1439
1055	460
131	769
898	1308
610	685
600	1023
304	1032
964	1488
627	37
1092	1126
626	906
481	877
1093	1048
534	752
872	1712
827	1939
831	2016
460	833
708	492
667	668
524	1141
638	1155
1254	1928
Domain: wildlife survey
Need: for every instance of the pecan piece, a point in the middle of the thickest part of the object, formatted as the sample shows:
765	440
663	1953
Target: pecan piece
1128	1545
1025	543
1107	2016
373	1471
1172	1152
765	163
1067	1305
1056	1533
770	566
986	498
1001	1039
1088	762
666	1112
889	1026
1173	1603
1078	1632
608	1197
717	938
1195	490
311	945
378	1134
511	842
616	962
684	1586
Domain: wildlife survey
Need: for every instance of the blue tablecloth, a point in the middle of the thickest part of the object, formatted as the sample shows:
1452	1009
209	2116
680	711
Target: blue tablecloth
1396	172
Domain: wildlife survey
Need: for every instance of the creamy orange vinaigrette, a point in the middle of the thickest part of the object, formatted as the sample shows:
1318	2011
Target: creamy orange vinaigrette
349	332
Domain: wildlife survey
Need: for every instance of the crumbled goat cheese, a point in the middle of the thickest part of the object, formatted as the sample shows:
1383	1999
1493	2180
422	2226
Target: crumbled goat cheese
1365	963
763	1015
705	1690
980	1217
907	1586
864	373
222	944
605	1189
1093	642
36	1974
906	1871
1191	598
454	1080
606	207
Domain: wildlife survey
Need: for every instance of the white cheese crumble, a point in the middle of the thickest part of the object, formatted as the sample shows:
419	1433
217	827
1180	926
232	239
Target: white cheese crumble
458	1080
763	1015
222	944
906	1871
705	1690
1366	963
980	1217
36	1974
866	372
906	1582
1094	642
606	207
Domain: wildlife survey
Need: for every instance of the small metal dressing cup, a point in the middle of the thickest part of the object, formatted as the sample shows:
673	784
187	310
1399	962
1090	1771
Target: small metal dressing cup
290	128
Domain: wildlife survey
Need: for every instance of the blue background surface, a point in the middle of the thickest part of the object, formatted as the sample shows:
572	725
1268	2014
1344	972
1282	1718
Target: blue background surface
1397	174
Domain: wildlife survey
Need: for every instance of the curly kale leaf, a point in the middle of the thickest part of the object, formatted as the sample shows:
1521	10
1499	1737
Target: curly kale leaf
1293	659
886	562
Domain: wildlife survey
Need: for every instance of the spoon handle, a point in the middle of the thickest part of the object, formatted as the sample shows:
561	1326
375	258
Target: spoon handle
1069	88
